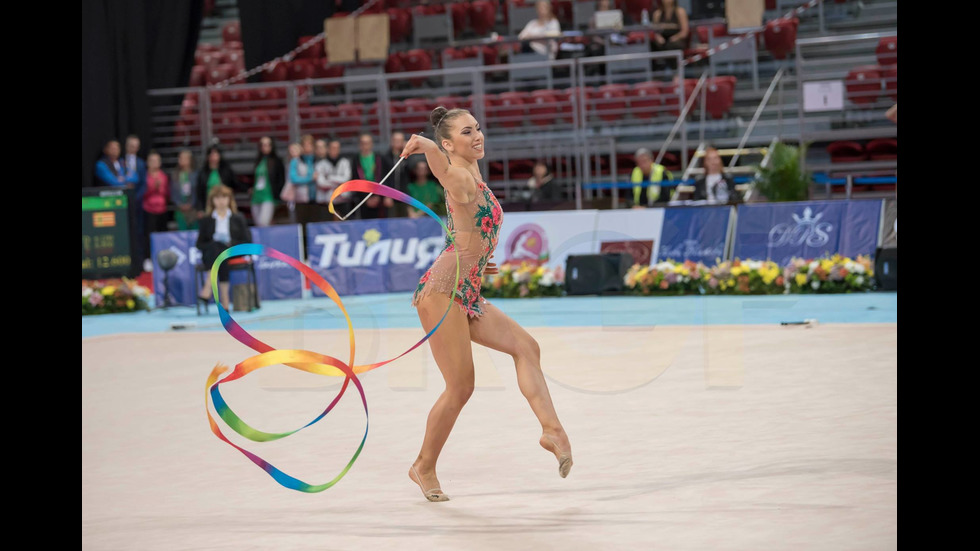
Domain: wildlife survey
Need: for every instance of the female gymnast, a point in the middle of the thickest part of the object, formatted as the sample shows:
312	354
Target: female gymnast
474	218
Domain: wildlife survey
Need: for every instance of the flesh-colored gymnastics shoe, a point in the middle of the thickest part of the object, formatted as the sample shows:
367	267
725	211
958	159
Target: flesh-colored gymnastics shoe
564	459
434	494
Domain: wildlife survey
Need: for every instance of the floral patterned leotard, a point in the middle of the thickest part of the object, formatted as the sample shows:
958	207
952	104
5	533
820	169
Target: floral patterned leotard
474	226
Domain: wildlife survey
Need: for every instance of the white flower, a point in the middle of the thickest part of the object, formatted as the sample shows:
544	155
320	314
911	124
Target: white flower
859	268
859	280
815	284
86	292
813	266
521	277
664	267
140	291
547	280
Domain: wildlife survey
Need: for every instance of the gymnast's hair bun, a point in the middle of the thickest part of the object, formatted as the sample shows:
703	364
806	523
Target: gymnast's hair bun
437	115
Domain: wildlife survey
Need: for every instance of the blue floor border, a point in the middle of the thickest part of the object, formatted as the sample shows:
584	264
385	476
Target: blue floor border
394	310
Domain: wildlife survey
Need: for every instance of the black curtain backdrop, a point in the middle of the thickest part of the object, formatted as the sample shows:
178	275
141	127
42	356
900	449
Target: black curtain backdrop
129	47
271	29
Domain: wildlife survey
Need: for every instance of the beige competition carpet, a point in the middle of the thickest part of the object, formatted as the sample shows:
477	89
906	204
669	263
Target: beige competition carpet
684	437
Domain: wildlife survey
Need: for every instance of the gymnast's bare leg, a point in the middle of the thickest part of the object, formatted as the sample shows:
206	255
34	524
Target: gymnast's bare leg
498	331
453	353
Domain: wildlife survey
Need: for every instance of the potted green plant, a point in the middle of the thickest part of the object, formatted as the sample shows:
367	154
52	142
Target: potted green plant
781	179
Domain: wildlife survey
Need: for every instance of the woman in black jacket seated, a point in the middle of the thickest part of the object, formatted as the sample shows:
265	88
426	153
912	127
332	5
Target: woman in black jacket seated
715	186
222	227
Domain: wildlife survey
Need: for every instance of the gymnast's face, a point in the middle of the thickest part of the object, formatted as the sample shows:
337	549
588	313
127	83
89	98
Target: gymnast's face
467	138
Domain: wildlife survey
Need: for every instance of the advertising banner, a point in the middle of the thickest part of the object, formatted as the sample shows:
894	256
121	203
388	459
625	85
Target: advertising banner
636	231
277	280
697	234
811	229
181	277
546	237
373	256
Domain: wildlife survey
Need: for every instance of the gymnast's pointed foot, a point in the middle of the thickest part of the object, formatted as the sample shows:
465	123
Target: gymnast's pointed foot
557	443
434	493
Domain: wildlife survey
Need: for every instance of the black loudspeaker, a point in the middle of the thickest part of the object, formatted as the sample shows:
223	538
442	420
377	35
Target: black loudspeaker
596	274
886	269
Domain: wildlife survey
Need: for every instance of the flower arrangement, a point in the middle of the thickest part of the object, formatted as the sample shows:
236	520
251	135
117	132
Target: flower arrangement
664	278
836	274
748	277
524	280
114	295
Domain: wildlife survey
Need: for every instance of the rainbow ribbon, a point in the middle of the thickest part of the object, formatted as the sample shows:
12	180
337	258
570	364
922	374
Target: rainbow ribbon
303	360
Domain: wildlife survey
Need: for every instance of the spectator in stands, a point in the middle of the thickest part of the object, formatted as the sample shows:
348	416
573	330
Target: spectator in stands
269	179
136	170
222	227
647	170
109	170
427	191
541	186
288	194
301	175
597	46
715	186
331	171
155	199
182	184
216	172
371	167
399	179
546	24
675	33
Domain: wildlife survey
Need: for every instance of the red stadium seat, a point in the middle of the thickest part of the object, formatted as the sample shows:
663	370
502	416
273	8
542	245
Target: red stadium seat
717	30
318	119
719	97
210	59
267	98
482	16
394	63
780	36
863	85
415	117
460	12
509	109
882	149
543	107
220	73
846	152
610	102
233	45
399	24
227	127
300	69
277	73
199	76
887	50
889	77
231	32
450	102
256	124
236	59
417	60
348	122
771	4
645	100
236	99
315	51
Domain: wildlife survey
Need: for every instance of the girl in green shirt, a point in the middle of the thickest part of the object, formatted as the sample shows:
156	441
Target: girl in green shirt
426	191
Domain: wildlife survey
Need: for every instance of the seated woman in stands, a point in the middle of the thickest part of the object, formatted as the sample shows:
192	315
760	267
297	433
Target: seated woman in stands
546	24
715	186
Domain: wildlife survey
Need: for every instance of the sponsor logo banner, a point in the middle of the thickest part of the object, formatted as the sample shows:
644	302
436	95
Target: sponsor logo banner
636	231
373	256
546	237
694	233
812	229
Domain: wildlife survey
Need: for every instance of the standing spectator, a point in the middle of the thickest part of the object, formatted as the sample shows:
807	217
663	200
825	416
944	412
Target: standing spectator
371	167
109	170
540	186
427	191
715	186
302	176
399	179
154	200
215	172
648	171
269	179
675	32
331	171
136	170
221	227
182	185
288	193
546	24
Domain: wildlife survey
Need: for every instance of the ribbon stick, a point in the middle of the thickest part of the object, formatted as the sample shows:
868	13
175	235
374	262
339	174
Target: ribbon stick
303	360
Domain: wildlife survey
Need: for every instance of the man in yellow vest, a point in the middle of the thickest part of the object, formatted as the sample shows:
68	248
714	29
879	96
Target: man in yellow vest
648	171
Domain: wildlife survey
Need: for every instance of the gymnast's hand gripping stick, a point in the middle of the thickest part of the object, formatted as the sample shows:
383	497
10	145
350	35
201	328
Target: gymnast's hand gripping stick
353	210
